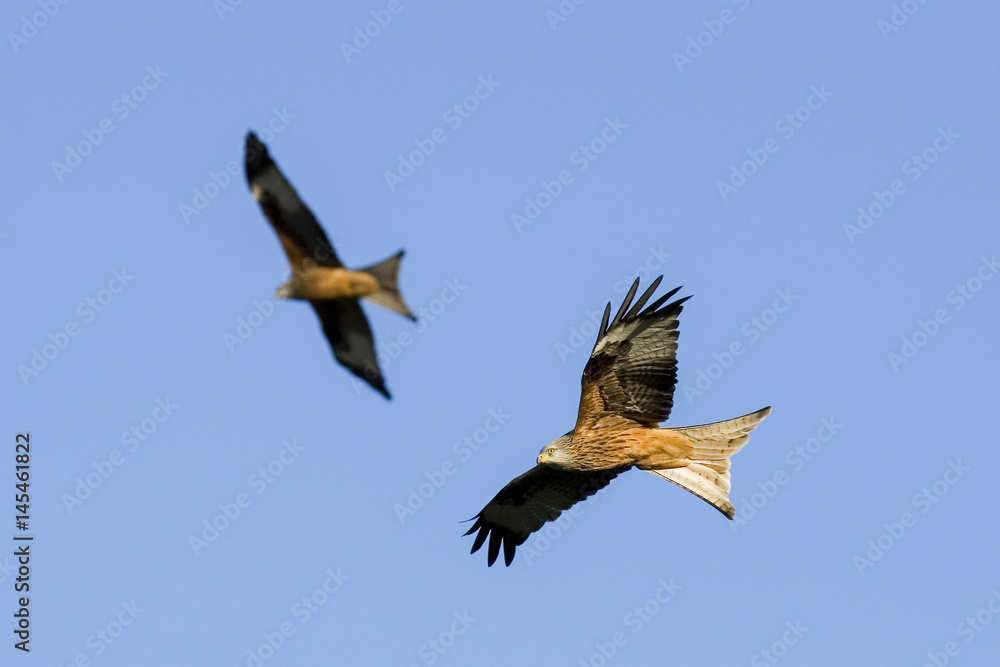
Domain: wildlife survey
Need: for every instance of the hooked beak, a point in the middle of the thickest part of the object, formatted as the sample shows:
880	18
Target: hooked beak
542	458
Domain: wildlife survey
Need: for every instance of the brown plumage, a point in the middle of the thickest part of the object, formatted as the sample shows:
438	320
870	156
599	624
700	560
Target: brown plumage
627	390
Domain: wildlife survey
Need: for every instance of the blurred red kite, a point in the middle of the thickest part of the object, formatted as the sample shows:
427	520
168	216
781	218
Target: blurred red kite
318	276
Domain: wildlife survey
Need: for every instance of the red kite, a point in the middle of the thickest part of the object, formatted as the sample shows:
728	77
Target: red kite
318	276
628	387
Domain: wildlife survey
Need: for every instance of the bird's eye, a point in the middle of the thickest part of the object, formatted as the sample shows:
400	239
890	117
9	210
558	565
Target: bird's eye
552	450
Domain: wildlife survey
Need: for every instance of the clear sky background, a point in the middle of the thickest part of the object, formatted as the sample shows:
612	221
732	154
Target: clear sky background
727	145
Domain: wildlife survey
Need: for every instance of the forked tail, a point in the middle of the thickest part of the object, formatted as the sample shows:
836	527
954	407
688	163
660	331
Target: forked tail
386	273
707	475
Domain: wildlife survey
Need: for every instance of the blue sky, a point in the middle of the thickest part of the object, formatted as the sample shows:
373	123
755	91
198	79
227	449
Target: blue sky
821	178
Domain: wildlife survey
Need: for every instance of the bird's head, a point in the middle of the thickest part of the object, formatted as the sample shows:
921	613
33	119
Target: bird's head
556	453
287	290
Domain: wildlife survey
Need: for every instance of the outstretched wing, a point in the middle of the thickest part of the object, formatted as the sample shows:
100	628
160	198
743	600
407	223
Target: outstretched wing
529	501
633	368
347	329
300	234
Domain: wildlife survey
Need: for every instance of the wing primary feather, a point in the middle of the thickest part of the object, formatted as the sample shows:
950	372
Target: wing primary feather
508	550
643	299
625	303
495	538
659	302
604	322
480	538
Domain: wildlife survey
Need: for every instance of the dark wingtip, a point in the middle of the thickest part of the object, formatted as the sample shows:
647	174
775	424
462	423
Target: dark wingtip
378	384
508	551
253	144
626	302
604	322
256	156
675	305
496	538
642	299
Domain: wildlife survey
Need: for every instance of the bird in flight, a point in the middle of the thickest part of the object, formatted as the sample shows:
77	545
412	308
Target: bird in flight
318	276
628	387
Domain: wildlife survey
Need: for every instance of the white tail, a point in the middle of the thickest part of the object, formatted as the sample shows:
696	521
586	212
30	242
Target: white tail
386	273
712	445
